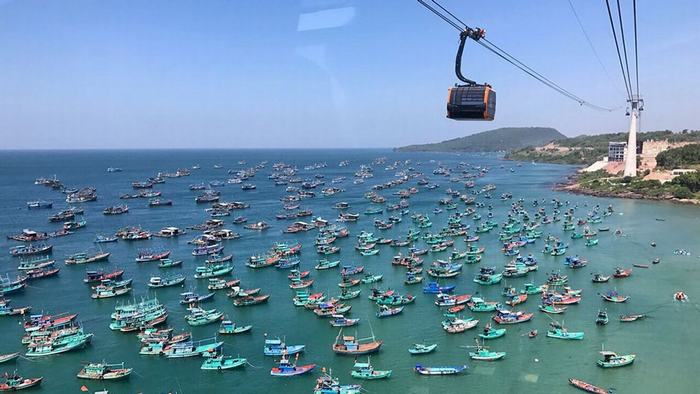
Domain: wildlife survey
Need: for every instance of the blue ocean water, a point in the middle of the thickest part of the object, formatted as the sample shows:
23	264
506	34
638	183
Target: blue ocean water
666	343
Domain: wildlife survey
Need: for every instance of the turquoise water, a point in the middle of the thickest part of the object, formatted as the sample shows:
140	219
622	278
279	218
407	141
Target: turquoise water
666	343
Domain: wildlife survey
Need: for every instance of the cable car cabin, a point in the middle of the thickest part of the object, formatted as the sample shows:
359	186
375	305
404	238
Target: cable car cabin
471	102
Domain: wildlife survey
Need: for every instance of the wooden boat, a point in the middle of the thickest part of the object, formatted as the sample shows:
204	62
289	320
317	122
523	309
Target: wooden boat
103	371
42	273
600	278
587	386
366	371
640	265
98	276
148	255
326	384
369	278
286	368
613	360
349	345
602	318
169	263
14	382
201	317
507	317
440	370
385	311
212	270
108	288
340	320
436	288
66	344
518	299
5	310
613	296
228	327
86	258
190	297
158	282
220	284
28	250
562	333
277	347
482	353
532	334
219	363
251	300
551	309
491	333
454	325
422	348
346	294
631	318
8	357
452	300
622	273
192	349
325	264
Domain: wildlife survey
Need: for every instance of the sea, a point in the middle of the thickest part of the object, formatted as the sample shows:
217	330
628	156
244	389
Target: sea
666	343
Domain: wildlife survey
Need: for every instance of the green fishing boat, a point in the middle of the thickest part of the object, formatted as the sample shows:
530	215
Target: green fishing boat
369	278
562	333
346	294
482	353
212	270
366	371
477	304
422	348
488	279
326	264
530	289
592	242
56	347
222	362
491	333
613	360
201	317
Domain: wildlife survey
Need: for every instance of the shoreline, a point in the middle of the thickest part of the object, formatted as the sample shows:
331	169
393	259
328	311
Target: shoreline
571	185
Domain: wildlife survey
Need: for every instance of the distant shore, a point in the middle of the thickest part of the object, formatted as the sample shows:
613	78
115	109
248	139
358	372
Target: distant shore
572	185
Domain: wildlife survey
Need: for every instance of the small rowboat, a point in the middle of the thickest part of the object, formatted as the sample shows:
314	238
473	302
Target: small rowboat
641	265
587	387
532	334
440	370
8	357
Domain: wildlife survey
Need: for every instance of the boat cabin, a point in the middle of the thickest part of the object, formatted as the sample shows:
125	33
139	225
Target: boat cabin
169	232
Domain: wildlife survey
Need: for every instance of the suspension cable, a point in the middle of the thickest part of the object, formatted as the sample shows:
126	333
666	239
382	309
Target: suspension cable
624	43
458	24
619	56
636	58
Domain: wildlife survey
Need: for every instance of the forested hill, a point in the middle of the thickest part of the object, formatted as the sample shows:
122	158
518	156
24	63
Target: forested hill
503	139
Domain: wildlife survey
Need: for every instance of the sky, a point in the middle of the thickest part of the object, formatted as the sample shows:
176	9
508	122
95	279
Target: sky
322	73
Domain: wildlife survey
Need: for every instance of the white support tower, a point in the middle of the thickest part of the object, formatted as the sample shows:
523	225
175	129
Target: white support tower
637	105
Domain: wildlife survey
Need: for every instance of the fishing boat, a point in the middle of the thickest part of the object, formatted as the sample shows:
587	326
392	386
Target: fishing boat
477	304
452	300
75	341
14	382
422	348
104	371
205	348
109	288
221	284
350	345
201	317
6	310
492	333
614	296
613	360
221	362
190	297
602	318
552	309
559	332
622	273
8	357
488	279
228	327
102	239
587	387
277	347
508	317
212	270
86	258
436	288
158	282
100	275
455	325
386	311
251	300
482	353
631	318
366	371
325	264
169	263
286	368
340	320
326	384
347	294
146	255
599	278
28	250
440	370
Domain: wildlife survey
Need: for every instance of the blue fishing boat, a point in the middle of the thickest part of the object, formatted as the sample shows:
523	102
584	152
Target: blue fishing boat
277	347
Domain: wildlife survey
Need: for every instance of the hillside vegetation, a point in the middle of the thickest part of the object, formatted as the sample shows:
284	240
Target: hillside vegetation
503	139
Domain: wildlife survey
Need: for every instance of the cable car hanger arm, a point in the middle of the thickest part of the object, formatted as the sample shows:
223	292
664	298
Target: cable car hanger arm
474	34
